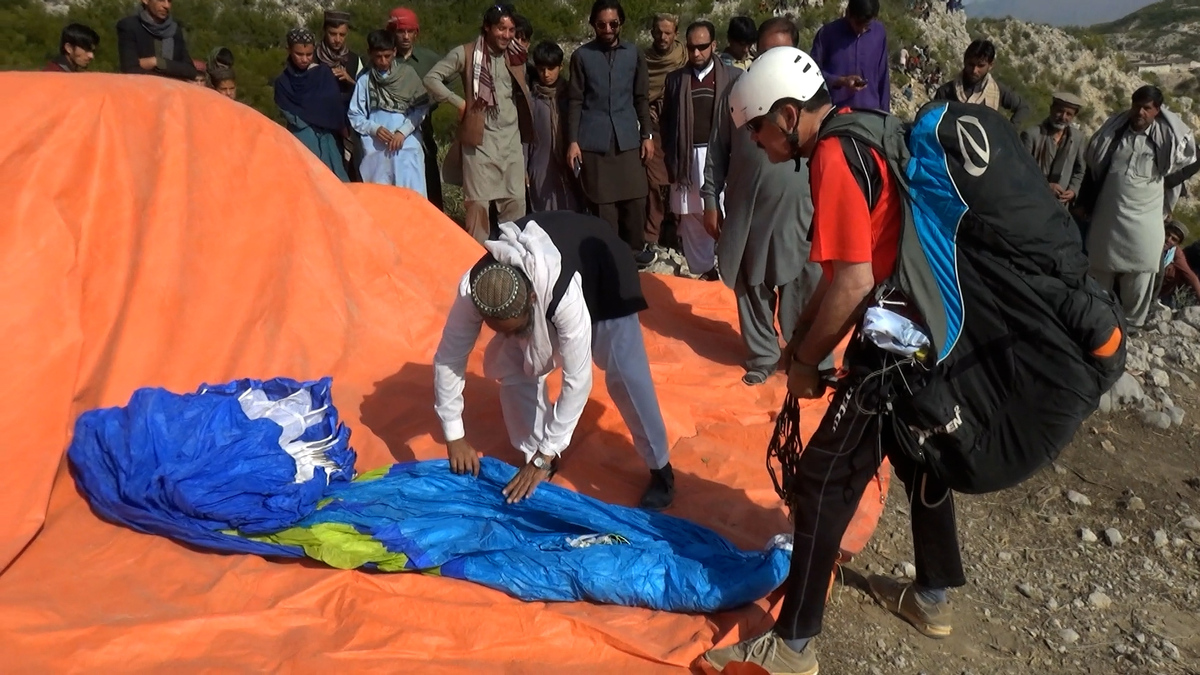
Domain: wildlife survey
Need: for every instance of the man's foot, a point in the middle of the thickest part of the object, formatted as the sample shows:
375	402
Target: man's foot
661	492
769	652
711	275
645	258
753	378
901	598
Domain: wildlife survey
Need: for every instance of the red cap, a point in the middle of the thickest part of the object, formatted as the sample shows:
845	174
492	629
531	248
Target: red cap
403	18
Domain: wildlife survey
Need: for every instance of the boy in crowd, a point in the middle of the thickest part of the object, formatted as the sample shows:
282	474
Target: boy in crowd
551	186
76	49
223	81
387	109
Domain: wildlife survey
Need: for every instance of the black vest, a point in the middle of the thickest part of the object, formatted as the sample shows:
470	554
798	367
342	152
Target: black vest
608	98
588	245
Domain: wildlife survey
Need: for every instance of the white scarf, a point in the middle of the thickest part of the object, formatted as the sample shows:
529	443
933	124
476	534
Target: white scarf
532	252
1174	144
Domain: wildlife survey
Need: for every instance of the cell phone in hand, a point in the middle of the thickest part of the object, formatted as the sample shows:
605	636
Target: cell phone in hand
577	166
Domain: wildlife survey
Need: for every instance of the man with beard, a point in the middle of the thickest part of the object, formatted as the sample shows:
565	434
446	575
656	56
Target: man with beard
609	129
151	43
1131	159
1058	147
346	67
406	27
308	97
493	121
559	290
387	110
689	114
76	49
664	56
976	85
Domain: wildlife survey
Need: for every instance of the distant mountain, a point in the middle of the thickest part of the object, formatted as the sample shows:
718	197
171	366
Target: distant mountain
1055	12
1163	29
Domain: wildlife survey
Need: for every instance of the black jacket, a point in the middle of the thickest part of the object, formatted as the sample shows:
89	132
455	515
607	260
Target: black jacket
134	42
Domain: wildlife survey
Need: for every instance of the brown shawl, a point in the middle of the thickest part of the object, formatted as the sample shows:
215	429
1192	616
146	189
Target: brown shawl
555	94
658	66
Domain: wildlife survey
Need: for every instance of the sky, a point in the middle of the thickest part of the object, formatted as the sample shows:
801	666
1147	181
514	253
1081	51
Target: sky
1056	12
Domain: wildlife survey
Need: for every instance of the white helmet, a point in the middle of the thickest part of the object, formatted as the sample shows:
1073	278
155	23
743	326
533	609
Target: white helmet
778	73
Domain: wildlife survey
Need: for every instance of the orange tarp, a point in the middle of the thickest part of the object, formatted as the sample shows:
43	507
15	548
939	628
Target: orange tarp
160	235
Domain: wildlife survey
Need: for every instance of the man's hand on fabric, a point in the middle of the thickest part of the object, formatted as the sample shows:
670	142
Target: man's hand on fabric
340	73
525	482
383	136
1066	196
148	62
463	458
804	380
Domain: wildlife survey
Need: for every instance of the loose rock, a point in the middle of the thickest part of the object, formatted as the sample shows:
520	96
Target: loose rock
1191	523
1156	420
1108	446
1099	600
1184	330
1160	539
1078	499
1135	504
1127	390
1113	536
1176	414
1068	636
1087	536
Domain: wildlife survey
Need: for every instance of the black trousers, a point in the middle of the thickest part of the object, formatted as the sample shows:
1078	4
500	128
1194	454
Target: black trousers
628	218
840	459
433	174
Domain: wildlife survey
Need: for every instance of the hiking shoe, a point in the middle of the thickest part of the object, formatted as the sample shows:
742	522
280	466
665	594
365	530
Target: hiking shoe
645	258
661	491
900	598
769	652
753	378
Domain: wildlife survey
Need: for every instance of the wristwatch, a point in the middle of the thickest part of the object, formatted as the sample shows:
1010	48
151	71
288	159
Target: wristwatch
543	462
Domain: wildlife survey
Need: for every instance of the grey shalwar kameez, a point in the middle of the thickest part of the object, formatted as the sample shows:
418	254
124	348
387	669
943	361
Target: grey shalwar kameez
763	248
494	171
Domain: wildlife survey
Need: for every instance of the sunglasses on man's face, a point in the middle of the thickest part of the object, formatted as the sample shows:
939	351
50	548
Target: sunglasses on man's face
611	25
699	48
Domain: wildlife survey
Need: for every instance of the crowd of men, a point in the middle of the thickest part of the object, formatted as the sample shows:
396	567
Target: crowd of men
638	138
641	138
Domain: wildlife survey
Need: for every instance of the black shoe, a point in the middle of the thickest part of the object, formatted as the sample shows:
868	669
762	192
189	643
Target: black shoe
661	492
711	275
645	258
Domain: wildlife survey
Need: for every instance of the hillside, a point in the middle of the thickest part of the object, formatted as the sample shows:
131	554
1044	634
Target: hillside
1170	28
1054	13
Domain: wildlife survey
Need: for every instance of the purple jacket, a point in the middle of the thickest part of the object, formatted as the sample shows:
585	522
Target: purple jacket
839	52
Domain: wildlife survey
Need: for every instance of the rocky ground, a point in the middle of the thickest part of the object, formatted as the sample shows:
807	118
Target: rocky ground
1089	567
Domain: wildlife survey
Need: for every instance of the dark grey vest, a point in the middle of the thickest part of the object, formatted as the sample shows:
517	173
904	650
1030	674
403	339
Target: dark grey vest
608	98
